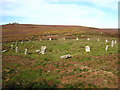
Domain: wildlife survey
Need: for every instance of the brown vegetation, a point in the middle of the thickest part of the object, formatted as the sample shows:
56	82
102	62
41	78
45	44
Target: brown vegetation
13	32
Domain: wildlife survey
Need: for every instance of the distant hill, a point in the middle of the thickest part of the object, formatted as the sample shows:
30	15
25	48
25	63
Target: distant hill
13	32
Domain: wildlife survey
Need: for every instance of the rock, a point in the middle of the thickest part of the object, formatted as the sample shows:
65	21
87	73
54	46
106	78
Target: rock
87	48
48	70
88	39
11	46
106	47
98	39
115	41
16	49
40	39
26	51
21	42
65	56
29	40
106	40
112	43
63	38
4	50
37	51
77	38
50	39
43	49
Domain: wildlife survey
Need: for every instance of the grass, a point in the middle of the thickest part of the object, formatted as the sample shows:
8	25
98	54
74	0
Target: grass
31	70
81	85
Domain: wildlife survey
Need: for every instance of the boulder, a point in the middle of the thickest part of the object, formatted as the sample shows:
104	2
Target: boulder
65	56
4	51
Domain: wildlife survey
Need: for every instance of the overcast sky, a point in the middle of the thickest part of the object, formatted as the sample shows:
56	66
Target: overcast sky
92	13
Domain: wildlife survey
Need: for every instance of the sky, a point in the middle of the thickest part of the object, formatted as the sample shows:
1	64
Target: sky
91	13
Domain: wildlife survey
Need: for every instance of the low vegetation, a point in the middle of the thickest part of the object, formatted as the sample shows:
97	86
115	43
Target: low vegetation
95	69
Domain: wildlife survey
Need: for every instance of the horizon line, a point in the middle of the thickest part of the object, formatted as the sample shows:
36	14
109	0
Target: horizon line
56	25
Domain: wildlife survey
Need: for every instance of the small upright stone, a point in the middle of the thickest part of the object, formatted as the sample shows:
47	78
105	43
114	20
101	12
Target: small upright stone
63	38
11	46
43	49
87	48
16	49
26	51
77	38
106	40
29	40
88	39
22	42
98	39
112	43
106	48
40	39
115	42
50	39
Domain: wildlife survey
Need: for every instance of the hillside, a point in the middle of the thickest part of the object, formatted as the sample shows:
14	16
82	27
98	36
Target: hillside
26	65
13	32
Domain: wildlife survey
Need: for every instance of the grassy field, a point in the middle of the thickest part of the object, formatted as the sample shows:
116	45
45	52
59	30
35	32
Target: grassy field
96	69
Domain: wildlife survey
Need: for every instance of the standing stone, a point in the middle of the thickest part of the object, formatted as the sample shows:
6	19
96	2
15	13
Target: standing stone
112	43
98	39
106	40
11	46
106	48
21	42
16	49
87	48
29	40
88	39
63	38
77	38
43	49
40	39
26	51
115	42
50	39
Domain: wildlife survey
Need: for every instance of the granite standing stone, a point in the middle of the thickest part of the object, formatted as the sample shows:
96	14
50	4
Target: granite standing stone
11	46
106	40
16	49
77	38
87	48
106	48
50	39
88	39
26	51
43	49
112	43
